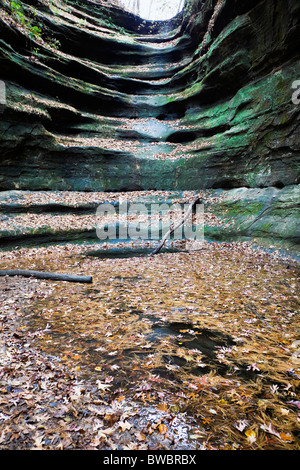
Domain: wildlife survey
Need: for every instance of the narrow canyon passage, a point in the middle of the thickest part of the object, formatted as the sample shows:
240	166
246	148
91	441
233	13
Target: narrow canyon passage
98	100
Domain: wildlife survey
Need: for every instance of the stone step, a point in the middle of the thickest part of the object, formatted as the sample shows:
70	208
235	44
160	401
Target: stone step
79	201
260	214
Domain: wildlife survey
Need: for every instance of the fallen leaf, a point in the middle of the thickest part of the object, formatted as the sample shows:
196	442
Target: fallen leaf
285	437
102	386
163	407
162	428
196	436
125	425
251	435
106	432
144	386
223	402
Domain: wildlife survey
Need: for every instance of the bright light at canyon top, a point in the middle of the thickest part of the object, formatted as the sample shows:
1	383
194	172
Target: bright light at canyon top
154	10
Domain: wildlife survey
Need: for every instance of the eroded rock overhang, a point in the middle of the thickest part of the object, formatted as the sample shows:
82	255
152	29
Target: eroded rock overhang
98	99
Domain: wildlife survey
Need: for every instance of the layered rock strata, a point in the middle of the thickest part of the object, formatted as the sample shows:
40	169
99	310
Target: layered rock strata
99	100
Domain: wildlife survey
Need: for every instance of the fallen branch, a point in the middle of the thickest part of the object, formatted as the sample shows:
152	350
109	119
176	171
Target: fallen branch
175	227
44	275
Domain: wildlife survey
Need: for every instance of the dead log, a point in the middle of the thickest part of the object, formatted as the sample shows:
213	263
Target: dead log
46	275
175	227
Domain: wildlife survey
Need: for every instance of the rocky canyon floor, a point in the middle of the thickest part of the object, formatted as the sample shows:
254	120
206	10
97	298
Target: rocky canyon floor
186	350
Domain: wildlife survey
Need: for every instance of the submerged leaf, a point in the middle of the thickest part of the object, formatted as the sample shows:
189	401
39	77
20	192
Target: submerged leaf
251	435
286	437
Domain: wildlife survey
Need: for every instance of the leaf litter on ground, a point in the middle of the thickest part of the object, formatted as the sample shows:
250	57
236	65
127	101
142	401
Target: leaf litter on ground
195	350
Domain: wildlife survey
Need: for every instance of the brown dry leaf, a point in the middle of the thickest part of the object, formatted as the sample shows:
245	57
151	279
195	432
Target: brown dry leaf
106	432
140	436
163	407
67	441
110	419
